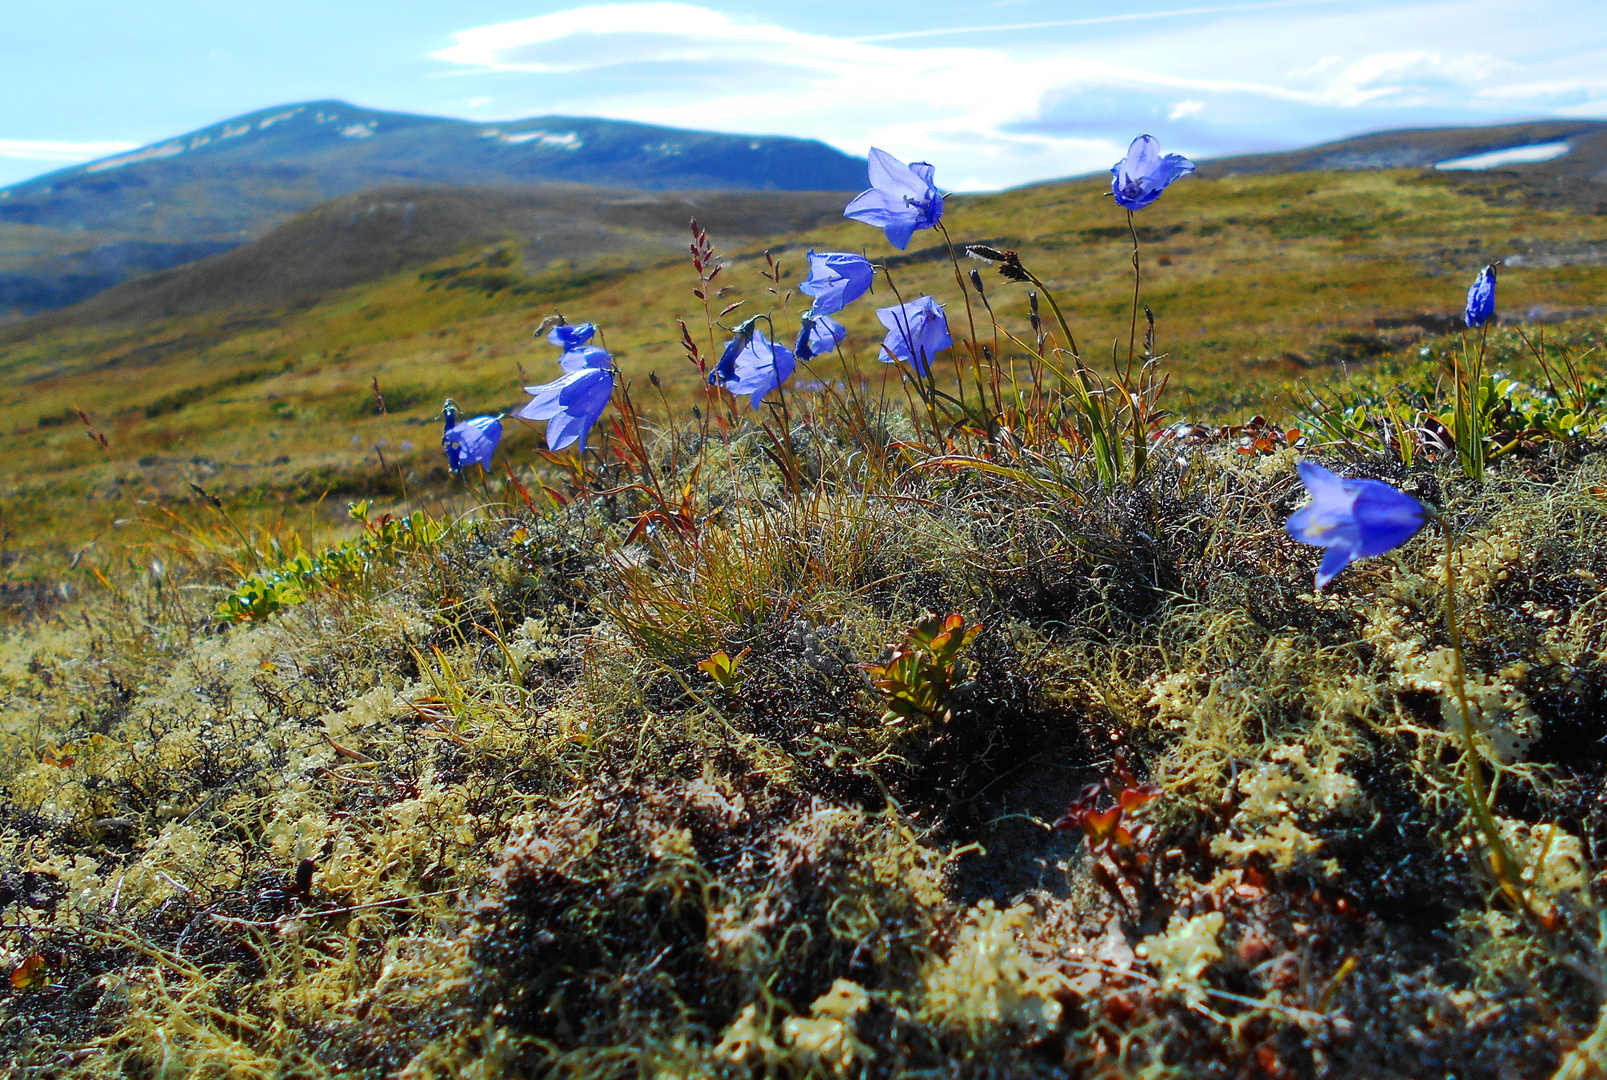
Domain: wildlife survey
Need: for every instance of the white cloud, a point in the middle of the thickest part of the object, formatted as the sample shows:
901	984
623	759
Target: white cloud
994	109
31	150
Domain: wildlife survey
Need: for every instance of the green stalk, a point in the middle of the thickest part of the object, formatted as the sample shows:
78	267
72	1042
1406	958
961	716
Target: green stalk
1469	418
976	362
1474	788
1102	424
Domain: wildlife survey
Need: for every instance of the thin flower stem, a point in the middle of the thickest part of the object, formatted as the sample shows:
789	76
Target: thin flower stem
1103	432
1132	333
1474	788
1059	318
976	363
250	551
928	394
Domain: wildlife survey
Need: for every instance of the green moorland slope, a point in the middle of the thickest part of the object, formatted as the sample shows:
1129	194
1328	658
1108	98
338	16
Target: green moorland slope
855	740
1257	283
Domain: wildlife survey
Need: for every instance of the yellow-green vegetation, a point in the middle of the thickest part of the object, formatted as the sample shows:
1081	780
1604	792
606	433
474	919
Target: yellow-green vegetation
1255	282
869	738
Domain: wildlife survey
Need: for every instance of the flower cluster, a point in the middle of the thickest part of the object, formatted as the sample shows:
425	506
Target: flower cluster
573	403
836	279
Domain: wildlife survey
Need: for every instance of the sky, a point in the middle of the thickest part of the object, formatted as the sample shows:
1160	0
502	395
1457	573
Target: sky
993	92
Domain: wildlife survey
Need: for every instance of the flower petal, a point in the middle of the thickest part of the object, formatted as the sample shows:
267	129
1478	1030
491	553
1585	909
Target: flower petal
892	176
1385	518
873	207
760	368
899	230
571	336
1338	557
544	401
583	357
1320	482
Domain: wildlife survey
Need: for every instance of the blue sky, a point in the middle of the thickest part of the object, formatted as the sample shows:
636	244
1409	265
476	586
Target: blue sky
994	92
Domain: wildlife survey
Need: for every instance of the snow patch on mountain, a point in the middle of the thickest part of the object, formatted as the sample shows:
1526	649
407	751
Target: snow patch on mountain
1512	155
166	150
268	121
567	140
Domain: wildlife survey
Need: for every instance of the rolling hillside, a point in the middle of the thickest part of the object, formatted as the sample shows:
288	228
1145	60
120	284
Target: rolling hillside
559	228
1576	178
1261	285
74	232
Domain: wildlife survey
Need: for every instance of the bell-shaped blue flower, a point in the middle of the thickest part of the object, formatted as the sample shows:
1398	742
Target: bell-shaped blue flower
818	335
757	368
570	405
726	368
571	335
1481	298
900	199
1353	519
836	279
585	356
1139	178
471	442
916	332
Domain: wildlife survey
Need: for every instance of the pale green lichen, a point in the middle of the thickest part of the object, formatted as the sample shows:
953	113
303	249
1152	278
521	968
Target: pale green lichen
1278	791
988	984
1181	955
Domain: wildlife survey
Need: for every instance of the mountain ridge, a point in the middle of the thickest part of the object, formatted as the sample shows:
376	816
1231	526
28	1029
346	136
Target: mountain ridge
203	192
348	148
71	234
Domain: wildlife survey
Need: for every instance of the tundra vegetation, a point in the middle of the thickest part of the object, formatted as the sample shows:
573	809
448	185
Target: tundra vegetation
958	703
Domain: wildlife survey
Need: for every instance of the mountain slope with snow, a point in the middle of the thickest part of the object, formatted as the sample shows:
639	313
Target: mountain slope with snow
208	190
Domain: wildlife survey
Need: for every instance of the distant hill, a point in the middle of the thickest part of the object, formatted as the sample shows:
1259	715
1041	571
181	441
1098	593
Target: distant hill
77	232
1577	179
208	190
359	238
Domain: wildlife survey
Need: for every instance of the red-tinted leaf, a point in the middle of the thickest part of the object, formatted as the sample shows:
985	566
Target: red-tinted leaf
1133	799
29	974
1099	826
